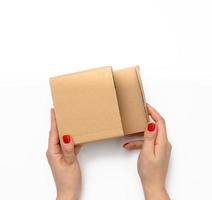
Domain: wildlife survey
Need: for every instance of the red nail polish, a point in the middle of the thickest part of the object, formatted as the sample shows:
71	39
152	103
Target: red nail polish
66	139
151	127
124	145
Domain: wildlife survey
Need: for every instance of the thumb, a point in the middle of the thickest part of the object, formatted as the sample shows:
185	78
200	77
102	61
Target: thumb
149	138
68	149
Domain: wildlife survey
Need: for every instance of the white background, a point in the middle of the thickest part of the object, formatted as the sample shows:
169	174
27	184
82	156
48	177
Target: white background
171	40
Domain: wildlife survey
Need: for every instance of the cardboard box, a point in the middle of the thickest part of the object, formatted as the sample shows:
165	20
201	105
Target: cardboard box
99	103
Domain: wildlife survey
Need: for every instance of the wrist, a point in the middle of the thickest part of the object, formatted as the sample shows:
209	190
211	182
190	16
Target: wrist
155	192
66	196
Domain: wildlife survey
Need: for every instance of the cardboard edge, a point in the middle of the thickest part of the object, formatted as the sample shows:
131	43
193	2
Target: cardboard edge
137	69
117	101
81	71
98	136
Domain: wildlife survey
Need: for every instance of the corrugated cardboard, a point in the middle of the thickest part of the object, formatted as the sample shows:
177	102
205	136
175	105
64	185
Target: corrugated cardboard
99	103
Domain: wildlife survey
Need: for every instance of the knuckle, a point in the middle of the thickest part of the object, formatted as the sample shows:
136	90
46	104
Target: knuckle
48	155
67	149
149	137
169	146
163	120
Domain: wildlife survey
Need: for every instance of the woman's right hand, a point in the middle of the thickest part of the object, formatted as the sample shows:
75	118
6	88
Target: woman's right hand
62	157
154	158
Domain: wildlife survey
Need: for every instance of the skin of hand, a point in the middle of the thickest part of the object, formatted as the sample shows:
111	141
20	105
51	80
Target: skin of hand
62	158
154	158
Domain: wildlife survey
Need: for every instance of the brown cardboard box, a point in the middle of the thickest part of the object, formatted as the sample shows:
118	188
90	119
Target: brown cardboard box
99	103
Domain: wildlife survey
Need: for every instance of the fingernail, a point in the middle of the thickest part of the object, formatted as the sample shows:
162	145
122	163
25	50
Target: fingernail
66	139
124	145
151	127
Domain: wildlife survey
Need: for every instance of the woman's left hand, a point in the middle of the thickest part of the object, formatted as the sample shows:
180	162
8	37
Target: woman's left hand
64	164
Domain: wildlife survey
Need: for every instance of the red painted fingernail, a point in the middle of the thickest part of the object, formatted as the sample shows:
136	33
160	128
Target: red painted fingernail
66	139
124	145
151	127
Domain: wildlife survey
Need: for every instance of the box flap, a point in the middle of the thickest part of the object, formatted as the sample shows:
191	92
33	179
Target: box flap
131	100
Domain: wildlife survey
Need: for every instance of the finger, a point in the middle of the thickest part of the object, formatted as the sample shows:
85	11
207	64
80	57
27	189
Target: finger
53	121
137	144
159	120
149	138
53	134
68	148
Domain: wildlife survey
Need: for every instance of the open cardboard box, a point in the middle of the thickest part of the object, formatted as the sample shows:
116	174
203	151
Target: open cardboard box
99	103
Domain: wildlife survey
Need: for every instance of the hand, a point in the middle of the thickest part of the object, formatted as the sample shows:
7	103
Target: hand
153	161
64	164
